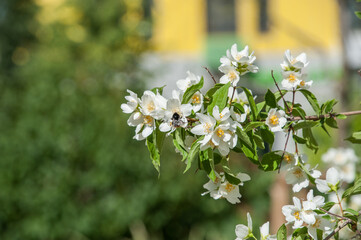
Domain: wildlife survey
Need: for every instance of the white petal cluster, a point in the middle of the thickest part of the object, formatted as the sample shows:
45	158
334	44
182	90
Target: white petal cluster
221	188
332	182
298	178
302	214
344	160
235	64
246	232
190	80
292	68
219	130
175	115
276	120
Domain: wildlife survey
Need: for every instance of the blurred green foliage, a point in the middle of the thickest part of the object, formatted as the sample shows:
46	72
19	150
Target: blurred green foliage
69	168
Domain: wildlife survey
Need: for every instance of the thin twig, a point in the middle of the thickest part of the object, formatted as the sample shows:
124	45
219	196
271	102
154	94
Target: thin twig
315	118
234	90
338	229
284	150
339	202
214	80
288	109
335	215
293	100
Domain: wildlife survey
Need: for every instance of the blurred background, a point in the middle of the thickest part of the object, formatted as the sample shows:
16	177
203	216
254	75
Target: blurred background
69	168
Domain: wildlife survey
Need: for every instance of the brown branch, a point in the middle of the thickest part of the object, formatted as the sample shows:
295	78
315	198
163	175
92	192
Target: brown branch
284	101
214	80
234	90
284	150
348	221
335	215
315	118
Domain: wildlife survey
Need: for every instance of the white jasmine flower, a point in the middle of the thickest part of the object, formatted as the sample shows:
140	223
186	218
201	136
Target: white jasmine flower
221	188
190	80
132	104
298	178
305	85
243	231
230	75
291	80
339	156
153	105
322	224
238	117
289	161
265	235
145	125
331	183
213	186
242	60
197	101
276	120
312	202
175	115
295	214
294	64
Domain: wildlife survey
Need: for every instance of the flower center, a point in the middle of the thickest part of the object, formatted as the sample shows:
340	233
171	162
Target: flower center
207	127
287	158
148	120
238	57
297	215
274	120
220	132
150	107
230	187
302	83
291	78
196	99
232	76
298	173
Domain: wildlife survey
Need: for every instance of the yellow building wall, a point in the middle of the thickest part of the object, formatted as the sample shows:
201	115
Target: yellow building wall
179	26
294	24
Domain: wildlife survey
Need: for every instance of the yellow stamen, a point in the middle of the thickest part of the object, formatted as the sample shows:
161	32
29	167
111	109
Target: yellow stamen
207	127
302	83
317	223
298	173
274	120
150	107
291	78
297	215
220	132
287	158
196	99
232	76
230	187
148	120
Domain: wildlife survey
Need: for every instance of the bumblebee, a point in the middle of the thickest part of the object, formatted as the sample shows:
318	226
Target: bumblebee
176	121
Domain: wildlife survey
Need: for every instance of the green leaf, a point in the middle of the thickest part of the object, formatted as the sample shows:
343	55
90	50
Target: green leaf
341	116
251	103
193	153
278	94
253	125
311	141
305	124
298	112
358	14
312	100
258	140
299	139
230	176
328	206
355	189
329	105
153	150
248	146
282	233
207	162
178	142
238	108
270	99
355	138
188	94
260	106
219	98
159	89
331	122
212	90
267	135
353	212
270	161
